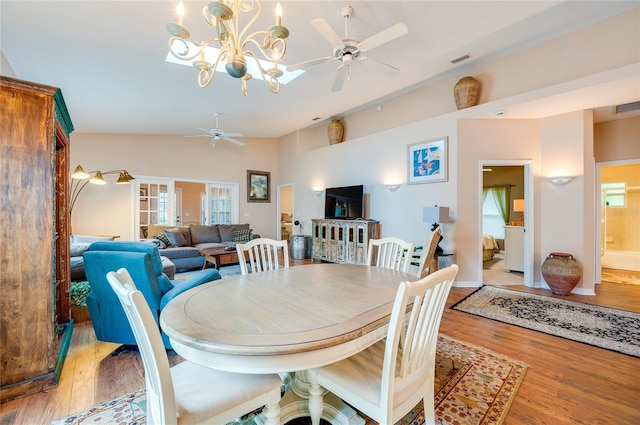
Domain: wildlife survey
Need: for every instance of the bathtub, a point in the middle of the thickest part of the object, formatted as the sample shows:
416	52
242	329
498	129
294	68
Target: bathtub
622	260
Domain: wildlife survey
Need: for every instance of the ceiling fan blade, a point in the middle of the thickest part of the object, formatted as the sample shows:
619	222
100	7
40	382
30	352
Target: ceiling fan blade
232	135
213	142
382	67
198	135
307	64
391	33
232	140
341	75
327	32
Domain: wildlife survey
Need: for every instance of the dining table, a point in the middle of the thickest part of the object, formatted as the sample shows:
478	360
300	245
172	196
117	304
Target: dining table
284	321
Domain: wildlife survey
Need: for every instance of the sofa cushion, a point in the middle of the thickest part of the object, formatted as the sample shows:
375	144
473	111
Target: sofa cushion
226	230
242	235
156	229
176	237
201	233
209	245
180	252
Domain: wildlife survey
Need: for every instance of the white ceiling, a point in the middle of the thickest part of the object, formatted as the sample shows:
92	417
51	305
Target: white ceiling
108	57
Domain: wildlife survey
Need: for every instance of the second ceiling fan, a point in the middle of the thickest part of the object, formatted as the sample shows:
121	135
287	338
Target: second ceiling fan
217	133
347	49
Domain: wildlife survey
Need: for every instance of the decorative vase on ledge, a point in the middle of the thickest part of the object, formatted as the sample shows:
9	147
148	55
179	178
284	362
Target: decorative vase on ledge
335	131
561	272
466	92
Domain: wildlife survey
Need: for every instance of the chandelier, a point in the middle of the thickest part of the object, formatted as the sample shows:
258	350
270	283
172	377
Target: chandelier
234	44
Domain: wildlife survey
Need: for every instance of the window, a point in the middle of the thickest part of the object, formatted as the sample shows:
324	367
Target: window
614	194
222	207
492	222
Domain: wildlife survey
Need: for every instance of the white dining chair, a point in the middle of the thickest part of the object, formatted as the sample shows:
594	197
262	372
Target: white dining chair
262	254
386	380
426	257
189	393
391	253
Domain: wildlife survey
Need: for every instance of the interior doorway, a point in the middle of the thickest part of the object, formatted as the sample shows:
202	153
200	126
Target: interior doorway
285	212
506	222
618	224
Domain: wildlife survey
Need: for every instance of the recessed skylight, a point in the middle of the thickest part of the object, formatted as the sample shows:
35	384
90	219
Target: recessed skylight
211	53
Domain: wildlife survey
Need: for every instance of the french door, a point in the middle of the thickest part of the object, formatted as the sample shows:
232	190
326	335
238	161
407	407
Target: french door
159	201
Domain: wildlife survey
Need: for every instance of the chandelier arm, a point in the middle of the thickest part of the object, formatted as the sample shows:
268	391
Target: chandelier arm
273	84
199	47
253	19
270	46
206	76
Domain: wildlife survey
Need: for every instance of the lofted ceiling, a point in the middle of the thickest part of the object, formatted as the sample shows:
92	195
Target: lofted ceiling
108	57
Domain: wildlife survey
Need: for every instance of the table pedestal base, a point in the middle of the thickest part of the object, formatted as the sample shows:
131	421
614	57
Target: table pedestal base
295	404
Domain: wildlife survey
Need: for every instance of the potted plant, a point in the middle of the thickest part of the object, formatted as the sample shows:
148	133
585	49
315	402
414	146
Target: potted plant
78	292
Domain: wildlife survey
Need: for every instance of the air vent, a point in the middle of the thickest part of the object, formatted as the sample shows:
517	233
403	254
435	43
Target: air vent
627	107
461	58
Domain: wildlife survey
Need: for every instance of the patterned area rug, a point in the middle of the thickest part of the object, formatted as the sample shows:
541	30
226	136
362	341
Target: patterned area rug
474	386
602	327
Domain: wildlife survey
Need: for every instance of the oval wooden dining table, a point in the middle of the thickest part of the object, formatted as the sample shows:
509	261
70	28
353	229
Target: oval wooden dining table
285	320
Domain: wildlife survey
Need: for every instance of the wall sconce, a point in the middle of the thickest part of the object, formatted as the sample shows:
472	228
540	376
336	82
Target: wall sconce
93	177
436	215
561	180
392	187
318	192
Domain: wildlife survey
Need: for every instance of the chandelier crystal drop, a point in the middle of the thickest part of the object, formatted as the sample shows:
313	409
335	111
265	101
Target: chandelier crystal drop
234	45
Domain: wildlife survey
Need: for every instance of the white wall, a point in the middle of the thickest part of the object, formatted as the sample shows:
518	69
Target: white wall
106	210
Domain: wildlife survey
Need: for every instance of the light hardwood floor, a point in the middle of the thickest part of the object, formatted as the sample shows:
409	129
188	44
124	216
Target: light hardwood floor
567	382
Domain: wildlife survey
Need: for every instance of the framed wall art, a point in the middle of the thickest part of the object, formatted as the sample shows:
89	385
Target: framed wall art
428	161
258	186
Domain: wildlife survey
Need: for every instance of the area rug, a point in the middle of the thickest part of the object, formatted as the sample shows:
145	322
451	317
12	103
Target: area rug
619	276
474	386
602	327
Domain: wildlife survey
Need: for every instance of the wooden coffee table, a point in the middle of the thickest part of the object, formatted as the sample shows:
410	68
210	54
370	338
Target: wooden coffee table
219	257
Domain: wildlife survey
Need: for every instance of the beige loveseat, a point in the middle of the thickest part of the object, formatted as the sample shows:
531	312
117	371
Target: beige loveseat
182	245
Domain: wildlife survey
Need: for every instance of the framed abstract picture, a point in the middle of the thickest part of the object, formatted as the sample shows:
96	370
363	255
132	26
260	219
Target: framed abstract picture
428	161
258	186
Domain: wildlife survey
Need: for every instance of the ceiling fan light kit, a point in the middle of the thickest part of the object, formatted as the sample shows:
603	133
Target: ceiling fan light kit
347	50
224	17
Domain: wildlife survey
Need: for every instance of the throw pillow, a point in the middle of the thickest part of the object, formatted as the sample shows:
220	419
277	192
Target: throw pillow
163	241
243	235
176	237
226	231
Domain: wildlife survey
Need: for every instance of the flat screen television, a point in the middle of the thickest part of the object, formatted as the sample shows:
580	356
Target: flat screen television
344	202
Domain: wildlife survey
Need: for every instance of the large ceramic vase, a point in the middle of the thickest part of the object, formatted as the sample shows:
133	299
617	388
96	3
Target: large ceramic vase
335	131
466	92
561	272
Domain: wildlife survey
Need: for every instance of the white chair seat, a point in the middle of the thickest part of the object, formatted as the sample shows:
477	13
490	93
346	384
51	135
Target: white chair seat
205	394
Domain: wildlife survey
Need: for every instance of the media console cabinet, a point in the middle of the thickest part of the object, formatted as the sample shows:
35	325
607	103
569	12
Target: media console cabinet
342	241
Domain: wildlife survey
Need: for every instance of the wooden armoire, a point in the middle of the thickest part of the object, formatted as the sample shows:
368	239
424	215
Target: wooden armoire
35	324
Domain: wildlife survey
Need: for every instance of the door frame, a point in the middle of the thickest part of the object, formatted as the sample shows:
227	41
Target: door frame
528	216
279	207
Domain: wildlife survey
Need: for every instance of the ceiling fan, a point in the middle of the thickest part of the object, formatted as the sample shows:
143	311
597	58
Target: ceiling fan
216	134
347	49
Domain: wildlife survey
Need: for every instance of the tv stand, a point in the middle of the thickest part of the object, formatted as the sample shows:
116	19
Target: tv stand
342	241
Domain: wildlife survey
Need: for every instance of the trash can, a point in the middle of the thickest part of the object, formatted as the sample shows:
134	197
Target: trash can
300	247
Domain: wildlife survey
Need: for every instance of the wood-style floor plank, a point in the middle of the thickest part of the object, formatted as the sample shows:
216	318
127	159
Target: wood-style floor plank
567	382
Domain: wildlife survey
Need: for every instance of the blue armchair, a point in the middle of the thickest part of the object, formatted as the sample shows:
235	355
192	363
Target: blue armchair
143	262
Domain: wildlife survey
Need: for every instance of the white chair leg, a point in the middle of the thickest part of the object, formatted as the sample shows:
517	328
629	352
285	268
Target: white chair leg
429	411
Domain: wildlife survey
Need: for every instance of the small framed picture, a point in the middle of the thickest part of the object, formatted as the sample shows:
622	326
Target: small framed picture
258	186
428	161
143	192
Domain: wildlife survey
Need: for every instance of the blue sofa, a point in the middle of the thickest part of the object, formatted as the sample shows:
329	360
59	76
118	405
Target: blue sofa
142	260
